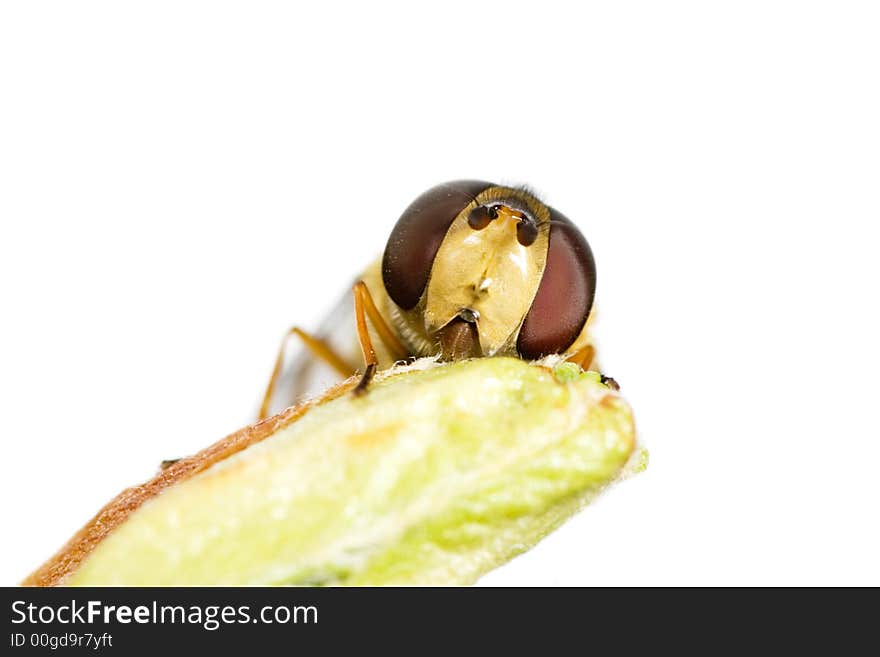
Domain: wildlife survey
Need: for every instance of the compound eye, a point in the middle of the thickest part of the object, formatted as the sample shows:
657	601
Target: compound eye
416	238
565	294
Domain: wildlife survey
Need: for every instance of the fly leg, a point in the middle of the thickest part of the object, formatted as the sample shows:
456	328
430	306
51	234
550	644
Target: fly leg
583	357
365	307
319	349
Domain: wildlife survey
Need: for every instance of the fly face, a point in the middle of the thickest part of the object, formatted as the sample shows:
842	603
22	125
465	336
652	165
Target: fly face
488	268
480	269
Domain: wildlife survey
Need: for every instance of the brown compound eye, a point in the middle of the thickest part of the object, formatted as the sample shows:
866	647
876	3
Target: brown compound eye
416	238
565	294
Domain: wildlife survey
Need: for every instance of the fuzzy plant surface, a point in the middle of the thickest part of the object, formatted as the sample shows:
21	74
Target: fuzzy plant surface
440	473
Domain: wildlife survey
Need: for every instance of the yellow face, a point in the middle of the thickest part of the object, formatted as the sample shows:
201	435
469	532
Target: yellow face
488	274
475	269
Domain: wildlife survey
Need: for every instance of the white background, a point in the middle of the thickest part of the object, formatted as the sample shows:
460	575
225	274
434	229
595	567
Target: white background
179	182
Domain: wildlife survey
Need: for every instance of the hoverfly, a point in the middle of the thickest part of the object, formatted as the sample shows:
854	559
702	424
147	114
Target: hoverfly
471	269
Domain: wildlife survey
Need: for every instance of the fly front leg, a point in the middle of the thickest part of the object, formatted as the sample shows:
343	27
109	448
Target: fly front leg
583	357
364	307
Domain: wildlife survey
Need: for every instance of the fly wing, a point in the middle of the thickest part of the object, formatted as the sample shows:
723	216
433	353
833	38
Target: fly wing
303	374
